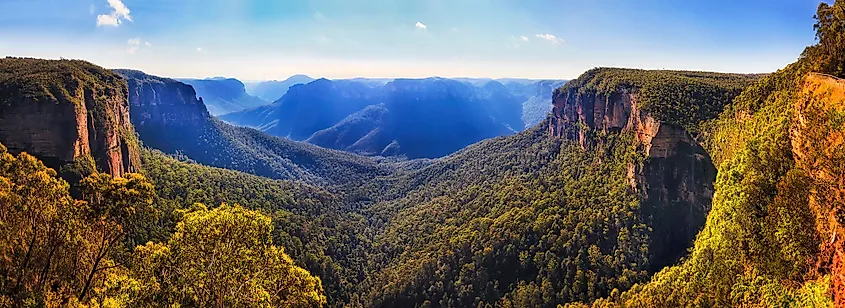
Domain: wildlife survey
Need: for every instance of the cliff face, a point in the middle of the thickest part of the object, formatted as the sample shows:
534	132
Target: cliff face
166	113
817	137
158	102
63	110
674	181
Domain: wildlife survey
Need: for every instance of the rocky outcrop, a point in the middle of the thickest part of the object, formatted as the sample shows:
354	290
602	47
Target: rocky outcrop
62	110
674	181
158	101
162	108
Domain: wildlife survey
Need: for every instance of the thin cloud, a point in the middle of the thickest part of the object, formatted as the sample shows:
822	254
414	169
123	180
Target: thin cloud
199	49
550	38
134	45
421	26
119	13
319	16
148	44
523	38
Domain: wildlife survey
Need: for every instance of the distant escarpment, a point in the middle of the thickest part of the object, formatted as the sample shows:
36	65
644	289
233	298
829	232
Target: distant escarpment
224	95
66	111
168	116
663	111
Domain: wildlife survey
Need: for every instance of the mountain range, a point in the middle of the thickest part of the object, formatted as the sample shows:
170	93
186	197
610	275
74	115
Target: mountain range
272	90
401	117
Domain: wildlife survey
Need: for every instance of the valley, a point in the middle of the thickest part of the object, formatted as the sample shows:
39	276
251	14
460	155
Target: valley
623	187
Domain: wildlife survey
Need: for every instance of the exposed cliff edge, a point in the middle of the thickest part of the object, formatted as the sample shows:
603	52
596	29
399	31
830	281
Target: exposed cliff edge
675	178
163	106
64	110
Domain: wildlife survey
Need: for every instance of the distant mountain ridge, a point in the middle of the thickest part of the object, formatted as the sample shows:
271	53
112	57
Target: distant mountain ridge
433	116
224	95
168	116
273	90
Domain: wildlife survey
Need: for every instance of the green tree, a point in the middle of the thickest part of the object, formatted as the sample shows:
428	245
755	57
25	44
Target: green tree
223	258
828	56
38	219
116	207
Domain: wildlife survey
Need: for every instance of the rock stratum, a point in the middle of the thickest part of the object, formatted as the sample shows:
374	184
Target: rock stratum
65	110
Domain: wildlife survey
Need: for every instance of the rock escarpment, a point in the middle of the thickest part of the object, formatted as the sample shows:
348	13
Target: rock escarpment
64	110
163	106
674	179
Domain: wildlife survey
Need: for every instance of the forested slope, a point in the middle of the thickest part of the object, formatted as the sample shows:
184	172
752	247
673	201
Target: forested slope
534	220
772	238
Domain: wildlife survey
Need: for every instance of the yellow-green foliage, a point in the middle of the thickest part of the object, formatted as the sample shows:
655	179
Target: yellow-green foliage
779	154
223	258
56	251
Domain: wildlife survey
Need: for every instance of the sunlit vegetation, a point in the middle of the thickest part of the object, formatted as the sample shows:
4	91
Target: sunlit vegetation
58	251
771	237
527	220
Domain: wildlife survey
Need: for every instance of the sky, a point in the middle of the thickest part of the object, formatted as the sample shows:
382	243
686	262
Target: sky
541	39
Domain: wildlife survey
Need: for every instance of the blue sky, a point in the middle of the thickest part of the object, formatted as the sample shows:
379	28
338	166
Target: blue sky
273	39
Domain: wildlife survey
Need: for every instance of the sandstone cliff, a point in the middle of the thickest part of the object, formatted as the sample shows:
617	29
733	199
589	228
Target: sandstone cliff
62	110
817	136
157	102
675	177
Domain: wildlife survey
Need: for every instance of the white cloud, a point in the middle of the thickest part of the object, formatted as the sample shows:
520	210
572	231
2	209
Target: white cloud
148	44
523	38
420	25
134	41
107	20
549	37
119	13
199	49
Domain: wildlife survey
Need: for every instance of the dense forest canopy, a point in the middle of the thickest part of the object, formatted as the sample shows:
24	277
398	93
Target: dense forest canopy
528	220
